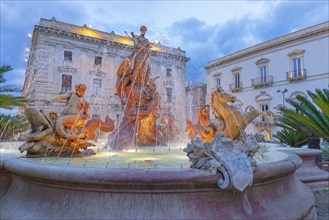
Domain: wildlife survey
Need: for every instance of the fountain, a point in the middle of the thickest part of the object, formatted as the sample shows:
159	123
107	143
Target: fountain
225	182
139	96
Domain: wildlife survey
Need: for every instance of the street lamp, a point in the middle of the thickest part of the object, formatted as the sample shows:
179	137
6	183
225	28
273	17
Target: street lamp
283	92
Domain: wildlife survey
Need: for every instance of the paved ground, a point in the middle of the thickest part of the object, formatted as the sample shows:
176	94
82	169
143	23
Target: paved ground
322	204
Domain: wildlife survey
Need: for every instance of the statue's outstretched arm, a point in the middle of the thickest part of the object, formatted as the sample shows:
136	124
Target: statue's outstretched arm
58	98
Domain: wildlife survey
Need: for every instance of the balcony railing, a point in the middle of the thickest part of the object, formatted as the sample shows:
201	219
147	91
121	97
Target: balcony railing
296	75
262	81
236	87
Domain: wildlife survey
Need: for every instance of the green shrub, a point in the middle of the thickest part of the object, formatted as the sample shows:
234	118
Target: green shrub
291	138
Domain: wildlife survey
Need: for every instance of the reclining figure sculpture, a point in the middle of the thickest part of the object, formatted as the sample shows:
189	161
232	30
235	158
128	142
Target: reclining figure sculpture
65	134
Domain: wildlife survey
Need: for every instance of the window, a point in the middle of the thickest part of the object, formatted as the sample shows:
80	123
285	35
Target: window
98	61
218	83
263	107
68	56
297	71
169	94
263	73
66	83
297	66
97	86
169	72
237	80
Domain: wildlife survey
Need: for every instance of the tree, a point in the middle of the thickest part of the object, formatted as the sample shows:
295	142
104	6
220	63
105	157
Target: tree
310	117
10	126
8	101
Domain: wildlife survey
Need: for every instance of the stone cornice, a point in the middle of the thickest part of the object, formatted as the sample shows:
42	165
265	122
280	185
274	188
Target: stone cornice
106	42
266	46
296	53
262	61
66	68
97	73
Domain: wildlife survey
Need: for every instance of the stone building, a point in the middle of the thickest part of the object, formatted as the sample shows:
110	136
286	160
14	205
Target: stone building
265	74
63	55
196	97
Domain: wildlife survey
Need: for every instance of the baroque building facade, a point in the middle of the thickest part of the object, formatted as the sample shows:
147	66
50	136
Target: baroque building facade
265	74
196	98
63	55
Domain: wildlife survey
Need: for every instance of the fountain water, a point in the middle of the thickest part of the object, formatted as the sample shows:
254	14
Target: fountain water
153	188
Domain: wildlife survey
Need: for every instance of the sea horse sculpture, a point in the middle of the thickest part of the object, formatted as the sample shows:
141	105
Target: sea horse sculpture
65	134
204	129
232	119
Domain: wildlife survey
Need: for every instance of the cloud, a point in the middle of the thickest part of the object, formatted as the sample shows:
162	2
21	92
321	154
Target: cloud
15	78
205	29
205	43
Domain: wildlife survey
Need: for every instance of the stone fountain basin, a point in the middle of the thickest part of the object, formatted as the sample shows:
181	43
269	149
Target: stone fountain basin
43	191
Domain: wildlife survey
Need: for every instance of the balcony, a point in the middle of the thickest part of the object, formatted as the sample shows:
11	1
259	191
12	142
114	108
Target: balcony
296	75
236	87
262	81
260	122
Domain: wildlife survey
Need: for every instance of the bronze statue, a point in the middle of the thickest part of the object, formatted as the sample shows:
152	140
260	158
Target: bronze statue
204	129
139	98
233	121
65	134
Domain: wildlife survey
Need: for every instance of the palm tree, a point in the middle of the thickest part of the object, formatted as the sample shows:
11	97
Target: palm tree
310	117
292	138
8	101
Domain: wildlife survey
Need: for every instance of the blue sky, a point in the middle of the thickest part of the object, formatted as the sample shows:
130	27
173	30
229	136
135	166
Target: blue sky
205	29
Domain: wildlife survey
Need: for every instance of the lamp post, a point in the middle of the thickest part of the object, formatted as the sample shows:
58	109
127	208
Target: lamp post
283	92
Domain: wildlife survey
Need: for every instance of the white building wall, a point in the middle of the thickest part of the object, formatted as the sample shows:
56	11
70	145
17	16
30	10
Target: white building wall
315	61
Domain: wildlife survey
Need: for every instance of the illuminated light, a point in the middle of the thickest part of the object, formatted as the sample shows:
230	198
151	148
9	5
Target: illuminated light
27	49
156	48
122	40
89	33
111	153
126	41
29	35
25	60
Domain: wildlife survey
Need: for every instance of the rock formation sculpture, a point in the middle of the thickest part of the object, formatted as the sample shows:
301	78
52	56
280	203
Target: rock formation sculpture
232	160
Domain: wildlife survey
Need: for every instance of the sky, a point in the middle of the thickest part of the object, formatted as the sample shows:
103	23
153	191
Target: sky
206	30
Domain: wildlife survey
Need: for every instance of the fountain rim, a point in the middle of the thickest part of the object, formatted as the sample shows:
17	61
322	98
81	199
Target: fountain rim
159	178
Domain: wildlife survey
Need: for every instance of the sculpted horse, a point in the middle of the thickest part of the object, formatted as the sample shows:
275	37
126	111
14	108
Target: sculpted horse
232	119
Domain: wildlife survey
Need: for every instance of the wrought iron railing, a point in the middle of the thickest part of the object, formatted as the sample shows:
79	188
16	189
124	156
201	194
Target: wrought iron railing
262	81
298	74
236	87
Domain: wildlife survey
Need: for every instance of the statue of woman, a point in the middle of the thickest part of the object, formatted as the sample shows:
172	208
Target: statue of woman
135	70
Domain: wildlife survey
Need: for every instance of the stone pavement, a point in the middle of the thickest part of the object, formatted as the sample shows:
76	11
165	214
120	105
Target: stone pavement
322	203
